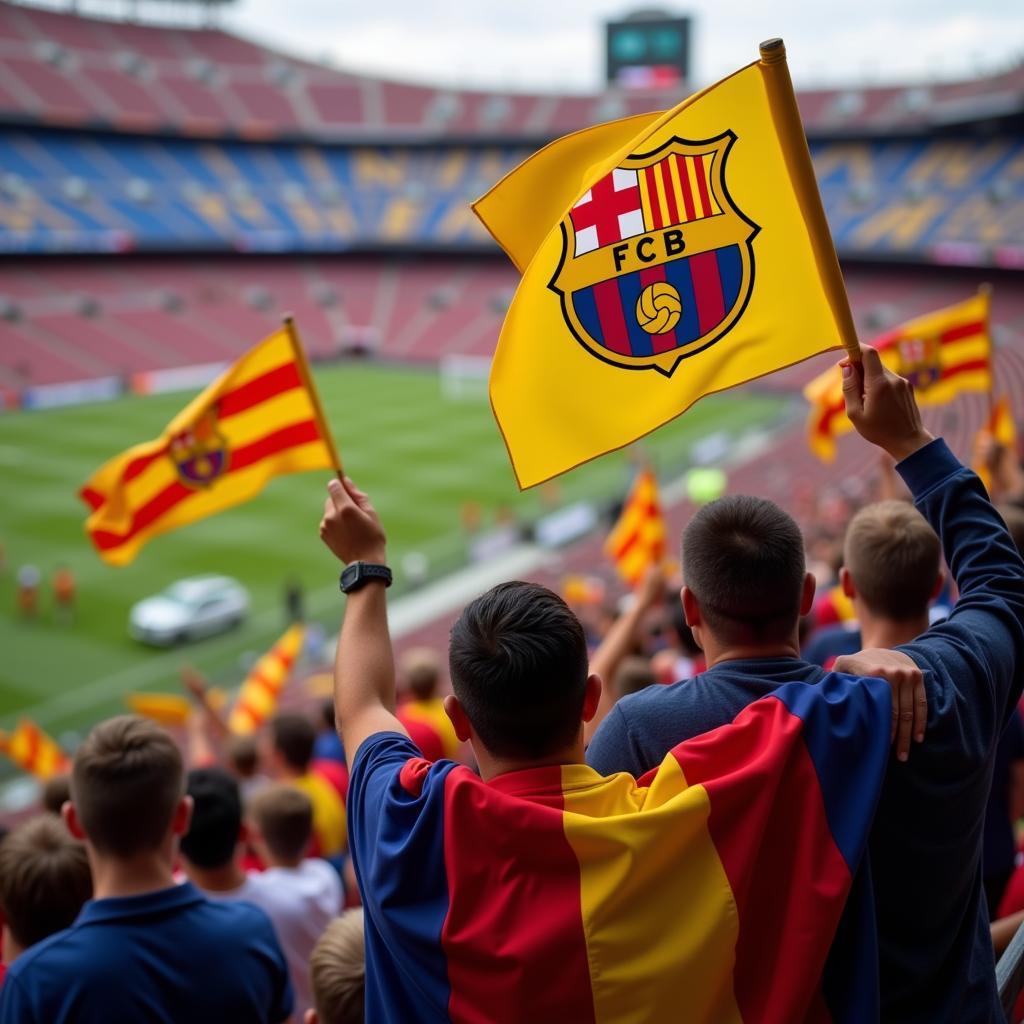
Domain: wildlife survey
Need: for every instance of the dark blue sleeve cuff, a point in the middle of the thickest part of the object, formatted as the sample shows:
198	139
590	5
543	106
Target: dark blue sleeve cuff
928	467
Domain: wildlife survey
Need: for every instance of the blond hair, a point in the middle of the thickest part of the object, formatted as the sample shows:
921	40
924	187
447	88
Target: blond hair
337	970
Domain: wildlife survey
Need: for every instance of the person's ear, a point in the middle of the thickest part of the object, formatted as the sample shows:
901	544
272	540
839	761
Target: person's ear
182	816
807	597
457	715
846	583
71	822
311	1017
691	608
592	696
937	589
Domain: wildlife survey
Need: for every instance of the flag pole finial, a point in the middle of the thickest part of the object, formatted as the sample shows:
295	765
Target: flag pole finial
773	50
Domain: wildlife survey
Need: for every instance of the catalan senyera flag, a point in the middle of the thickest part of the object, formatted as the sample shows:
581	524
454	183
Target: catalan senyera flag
664	257
942	354
34	751
1001	427
637	540
709	890
258	697
168	709
259	419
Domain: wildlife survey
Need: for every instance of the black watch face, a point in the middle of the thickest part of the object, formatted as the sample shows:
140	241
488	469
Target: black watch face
349	575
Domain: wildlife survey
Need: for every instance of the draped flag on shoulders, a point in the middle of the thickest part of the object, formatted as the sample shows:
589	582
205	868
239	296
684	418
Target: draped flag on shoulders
665	257
258	697
637	540
34	751
259	419
1001	428
709	890
941	353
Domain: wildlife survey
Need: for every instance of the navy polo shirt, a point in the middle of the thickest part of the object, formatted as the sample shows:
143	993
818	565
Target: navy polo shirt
162	957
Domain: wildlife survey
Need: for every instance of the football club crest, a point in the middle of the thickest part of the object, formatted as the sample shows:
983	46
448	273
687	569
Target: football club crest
657	261
920	362
200	454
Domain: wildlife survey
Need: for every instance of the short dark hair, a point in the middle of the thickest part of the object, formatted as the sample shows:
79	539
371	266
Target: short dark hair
44	879
243	755
216	818
894	558
284	817
743	559
126	782
293	737
518	661
56	792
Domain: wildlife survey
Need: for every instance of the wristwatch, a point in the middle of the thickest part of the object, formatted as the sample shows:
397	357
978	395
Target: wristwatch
358	574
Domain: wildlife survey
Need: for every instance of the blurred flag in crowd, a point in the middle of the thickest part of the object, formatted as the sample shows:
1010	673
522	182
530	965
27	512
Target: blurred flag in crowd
259	419
637	540
167	709
941	353
1002	430
664	257
33	751
258	697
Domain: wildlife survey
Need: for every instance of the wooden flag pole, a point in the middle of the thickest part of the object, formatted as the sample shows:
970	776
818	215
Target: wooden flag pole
314	396
786	117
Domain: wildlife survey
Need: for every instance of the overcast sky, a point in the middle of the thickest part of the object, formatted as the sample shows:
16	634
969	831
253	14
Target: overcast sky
542	44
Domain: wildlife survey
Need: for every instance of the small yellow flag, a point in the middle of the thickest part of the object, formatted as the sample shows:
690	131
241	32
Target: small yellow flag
258	697
34	751
259	419
665	257
637	540
1002	429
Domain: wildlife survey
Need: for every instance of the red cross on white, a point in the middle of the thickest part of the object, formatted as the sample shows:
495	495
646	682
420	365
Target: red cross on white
608	212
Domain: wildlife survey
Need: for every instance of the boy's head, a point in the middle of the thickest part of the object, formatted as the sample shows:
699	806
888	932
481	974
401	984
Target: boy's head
280	824
421	672
216	828
56	793
892	561
519	664
337	970
633	675
745	575
44	880
243	756
289	743
127	785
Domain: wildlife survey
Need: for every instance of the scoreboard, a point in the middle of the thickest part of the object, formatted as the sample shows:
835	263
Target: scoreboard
648	50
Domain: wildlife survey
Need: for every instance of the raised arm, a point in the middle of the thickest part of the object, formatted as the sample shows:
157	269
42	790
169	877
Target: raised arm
975	652
617	643
364	667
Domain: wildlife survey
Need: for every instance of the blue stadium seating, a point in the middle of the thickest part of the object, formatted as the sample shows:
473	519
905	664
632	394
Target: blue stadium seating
937	199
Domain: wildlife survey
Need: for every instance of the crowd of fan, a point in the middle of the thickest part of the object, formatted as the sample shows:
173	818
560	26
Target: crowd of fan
217	885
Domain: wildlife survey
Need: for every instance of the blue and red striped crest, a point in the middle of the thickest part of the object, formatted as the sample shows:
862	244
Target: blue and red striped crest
657	261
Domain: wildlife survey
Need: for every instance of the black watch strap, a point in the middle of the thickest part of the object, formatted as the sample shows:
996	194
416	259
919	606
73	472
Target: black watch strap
358	574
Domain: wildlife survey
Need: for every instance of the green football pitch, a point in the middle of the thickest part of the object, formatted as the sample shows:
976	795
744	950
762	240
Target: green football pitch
421	456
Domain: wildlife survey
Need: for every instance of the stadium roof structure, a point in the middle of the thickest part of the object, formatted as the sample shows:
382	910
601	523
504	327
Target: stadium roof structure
66	69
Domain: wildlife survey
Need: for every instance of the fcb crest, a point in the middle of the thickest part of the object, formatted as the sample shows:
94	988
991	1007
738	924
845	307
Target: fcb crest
919	361
200	454
657	262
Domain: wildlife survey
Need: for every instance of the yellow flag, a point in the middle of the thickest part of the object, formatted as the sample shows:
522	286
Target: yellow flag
1001	428
637	540
941	353
258	697
34	751
665	257
259	419
168	709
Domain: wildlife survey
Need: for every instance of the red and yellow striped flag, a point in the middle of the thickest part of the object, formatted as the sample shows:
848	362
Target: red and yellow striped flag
259	419
637	540
941	353
1002	429
257	700
33	751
